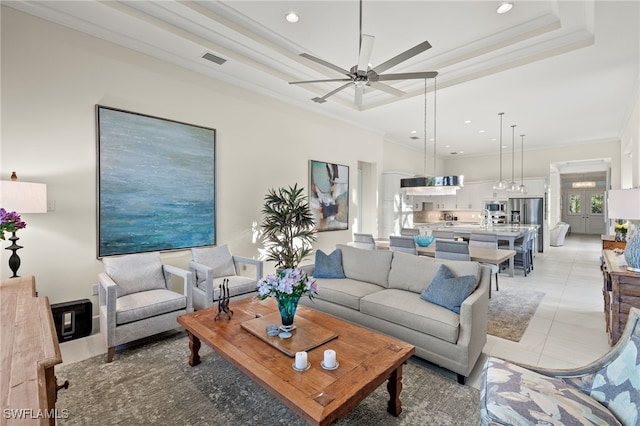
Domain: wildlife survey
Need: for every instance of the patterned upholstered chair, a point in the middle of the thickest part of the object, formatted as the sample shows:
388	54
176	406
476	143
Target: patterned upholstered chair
605	392
404	244
364	241
136	299
210	266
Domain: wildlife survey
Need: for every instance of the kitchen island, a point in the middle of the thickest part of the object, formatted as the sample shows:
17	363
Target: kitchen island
508	233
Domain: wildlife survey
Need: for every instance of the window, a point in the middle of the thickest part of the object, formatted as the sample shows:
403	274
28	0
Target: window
597	203
574	204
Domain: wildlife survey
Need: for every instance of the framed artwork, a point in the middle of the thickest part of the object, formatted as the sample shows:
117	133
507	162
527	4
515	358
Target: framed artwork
329	195
156	183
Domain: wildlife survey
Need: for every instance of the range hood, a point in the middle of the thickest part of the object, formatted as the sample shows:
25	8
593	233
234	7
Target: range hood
431	185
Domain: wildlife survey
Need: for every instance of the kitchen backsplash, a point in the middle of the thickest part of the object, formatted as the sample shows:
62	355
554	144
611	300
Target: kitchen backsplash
437	215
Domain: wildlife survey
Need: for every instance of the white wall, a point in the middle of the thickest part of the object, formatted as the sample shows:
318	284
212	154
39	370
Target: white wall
52	77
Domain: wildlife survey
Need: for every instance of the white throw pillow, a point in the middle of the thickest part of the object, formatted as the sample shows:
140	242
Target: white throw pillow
135	272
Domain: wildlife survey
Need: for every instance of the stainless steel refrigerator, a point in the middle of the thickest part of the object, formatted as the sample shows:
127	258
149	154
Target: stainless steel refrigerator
528	211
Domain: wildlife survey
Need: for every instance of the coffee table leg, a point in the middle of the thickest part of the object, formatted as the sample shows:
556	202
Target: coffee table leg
394	386
194	345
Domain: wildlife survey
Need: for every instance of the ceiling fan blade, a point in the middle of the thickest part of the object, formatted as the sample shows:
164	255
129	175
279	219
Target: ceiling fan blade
366	47
386	88
408	75
325	63
402	57
333	92
359	93
320	81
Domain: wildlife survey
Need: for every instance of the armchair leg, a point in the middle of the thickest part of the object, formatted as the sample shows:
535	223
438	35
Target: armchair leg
461	378
110	352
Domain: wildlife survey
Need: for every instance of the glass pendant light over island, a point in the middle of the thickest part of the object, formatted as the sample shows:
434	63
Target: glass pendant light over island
500	184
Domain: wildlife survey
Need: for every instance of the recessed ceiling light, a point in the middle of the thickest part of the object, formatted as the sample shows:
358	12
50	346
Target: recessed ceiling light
467	121
292	17
447	146
413	132
480	131
504	7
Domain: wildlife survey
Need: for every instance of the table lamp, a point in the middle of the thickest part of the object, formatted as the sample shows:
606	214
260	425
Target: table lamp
21	197
625	204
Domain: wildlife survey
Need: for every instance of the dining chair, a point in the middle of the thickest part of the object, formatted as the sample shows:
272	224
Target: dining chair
364	241
443	235
452	250
489	241
409	232
404	244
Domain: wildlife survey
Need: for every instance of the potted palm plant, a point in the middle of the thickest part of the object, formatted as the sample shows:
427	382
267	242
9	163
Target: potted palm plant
288	227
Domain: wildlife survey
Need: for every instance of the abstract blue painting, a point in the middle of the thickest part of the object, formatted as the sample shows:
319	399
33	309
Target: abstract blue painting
156	183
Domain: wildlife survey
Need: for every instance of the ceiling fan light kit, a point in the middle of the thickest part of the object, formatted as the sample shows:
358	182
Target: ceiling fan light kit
363	75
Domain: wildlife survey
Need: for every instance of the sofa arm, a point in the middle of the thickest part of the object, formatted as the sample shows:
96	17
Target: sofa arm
255	262
186	282
473	316
107	295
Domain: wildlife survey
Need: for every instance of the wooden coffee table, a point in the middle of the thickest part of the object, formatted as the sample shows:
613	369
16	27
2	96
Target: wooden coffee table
367	359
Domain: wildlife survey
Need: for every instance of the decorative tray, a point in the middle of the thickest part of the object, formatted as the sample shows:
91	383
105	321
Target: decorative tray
306	336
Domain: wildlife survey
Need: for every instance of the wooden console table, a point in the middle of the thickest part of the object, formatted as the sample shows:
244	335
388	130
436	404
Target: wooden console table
609	243
28	354
621	291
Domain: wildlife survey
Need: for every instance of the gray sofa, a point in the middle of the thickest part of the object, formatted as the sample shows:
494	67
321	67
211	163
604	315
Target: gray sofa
382	291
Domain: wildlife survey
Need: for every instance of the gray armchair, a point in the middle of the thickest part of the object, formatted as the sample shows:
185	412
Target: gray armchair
135	298
210	266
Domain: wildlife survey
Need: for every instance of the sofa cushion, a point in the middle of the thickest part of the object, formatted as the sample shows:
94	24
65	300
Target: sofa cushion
408	310
447	290
370	266
414	273
328	265
237	285
218	258
135	272
510	394
137	306
344	291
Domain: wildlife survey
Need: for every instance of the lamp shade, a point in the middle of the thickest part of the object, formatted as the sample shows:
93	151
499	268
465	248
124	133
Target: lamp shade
624	204
23	197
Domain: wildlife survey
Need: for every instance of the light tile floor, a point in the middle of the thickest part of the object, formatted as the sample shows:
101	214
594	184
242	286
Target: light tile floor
567	330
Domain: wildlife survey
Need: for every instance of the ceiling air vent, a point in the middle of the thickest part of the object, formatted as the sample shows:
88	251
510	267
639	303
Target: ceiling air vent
213	58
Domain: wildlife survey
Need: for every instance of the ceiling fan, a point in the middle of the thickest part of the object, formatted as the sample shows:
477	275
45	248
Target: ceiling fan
362	75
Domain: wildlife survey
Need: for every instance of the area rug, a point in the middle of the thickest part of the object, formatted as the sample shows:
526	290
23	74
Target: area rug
154	385
510	312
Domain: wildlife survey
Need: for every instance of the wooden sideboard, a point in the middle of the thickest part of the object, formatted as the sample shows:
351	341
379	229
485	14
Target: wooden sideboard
621	291
609	243
28	355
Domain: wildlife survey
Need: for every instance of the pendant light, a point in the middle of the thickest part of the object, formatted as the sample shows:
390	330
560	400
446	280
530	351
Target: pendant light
522	188
500	184
431	185
513	186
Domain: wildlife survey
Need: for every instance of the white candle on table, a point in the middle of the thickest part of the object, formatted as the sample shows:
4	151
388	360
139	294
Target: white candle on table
329	358
301	360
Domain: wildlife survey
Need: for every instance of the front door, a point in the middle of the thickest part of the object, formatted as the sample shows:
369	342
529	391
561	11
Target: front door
584	211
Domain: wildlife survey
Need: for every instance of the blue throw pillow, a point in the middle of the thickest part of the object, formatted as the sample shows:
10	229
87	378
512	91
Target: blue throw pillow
447	290
328	265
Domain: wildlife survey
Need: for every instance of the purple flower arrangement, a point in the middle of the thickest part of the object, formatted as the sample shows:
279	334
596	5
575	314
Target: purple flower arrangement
10	222
291	282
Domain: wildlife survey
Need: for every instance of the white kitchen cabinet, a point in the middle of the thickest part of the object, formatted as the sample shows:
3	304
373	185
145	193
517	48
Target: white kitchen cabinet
534	187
